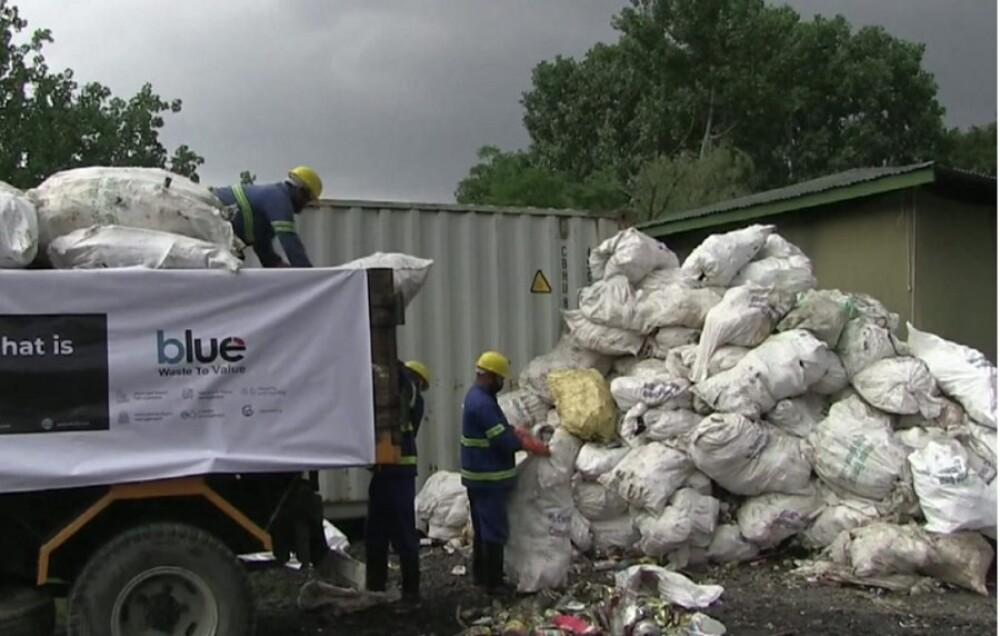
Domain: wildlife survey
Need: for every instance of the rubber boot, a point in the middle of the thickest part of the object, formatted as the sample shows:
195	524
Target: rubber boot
409	566
376	569
493	577
478	563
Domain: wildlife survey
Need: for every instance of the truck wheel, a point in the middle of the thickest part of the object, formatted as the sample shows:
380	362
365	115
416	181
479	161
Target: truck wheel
166	579
26	611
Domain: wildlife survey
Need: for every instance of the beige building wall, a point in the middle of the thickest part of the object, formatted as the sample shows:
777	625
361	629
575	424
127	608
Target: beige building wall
956	276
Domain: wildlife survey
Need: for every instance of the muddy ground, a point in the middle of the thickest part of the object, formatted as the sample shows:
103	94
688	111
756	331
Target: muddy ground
759	600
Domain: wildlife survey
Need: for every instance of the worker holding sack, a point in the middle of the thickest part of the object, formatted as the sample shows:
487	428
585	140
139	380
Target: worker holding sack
488	446
391	495
268	211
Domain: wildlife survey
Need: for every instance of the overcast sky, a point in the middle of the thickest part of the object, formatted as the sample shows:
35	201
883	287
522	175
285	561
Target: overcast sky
389	99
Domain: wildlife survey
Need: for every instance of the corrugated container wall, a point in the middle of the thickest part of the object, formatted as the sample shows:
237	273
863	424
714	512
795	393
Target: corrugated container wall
478	296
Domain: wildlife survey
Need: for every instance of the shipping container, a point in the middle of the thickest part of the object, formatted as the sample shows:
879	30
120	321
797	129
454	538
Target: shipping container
500	280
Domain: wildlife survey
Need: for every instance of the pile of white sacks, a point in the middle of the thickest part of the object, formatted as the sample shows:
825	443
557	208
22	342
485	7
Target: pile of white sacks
110	217
752	409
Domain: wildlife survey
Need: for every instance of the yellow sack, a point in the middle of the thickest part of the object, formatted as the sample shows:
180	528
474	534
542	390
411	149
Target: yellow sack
585	405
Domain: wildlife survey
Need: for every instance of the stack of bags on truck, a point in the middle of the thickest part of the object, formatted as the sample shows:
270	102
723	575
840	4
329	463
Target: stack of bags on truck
104	217
712	410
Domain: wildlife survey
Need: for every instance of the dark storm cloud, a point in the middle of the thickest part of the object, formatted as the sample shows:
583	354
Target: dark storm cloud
391	99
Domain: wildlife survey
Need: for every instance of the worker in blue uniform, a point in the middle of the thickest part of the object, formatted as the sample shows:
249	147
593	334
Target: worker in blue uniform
391	493
268	211
488	446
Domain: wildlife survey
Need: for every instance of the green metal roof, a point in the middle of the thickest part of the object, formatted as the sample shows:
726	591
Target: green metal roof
843	186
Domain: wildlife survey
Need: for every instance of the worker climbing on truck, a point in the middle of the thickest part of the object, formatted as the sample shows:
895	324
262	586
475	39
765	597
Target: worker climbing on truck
391	494
266	211
488	446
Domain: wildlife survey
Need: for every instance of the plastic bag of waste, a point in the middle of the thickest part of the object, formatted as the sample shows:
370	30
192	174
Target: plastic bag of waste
767	520
558	468
952	496
741	390
672	306
729	546
145	198
580	532
614	533
18	228
689	513
745	318
963	373
631	254
409	273
719	257
862	344
594	460
668	338
792	275
443	505
113	246
899	385
653	391
798	416
823	312
566	355
838	514
523	408
609	302
670	586
611	341
749	458
854	450
586	407
793	361
597	503
539	551
649	475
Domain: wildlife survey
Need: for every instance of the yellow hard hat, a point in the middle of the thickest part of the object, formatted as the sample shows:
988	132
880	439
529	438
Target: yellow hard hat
309	179
494	363
421	370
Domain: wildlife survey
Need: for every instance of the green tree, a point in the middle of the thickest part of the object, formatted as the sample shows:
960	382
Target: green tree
687	181
48	122
516	179
798	98
974	149
247	178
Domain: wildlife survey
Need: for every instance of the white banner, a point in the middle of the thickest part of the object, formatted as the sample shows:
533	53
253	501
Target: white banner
125	375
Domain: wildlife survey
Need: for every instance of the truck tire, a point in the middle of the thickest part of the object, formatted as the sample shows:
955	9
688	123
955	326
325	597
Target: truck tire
163	578
26	611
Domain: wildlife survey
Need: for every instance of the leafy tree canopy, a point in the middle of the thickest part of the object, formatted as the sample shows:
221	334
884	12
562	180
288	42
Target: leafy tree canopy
48	122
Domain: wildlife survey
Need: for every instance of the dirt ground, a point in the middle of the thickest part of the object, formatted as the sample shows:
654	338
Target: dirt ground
759	600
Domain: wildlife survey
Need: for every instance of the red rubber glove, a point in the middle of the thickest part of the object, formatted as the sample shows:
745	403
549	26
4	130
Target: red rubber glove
531	444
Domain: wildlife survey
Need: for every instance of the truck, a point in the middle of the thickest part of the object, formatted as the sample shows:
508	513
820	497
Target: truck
158	424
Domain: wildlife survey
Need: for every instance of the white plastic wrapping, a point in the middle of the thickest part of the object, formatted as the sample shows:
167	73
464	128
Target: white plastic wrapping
110	246
952	496
409	273
18	228
631	254
854	449
963	373
146	198
649	475
744	318
767	520
442	506
720	256
749	458
902	386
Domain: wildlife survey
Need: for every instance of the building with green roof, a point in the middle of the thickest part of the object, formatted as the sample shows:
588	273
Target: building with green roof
920	238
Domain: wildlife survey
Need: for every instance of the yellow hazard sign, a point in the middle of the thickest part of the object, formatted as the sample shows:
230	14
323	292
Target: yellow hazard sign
540	284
